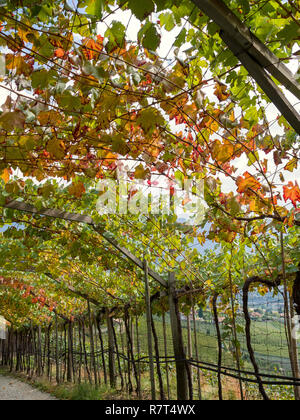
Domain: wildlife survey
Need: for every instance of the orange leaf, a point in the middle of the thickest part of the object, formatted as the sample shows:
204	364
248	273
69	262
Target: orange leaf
291	192
5	175
60	53
92	48
49	118
220	92
77	189
248	182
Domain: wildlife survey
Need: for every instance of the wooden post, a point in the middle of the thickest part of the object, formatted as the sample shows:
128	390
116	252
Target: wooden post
219	337
70	353
235	337
166	353
102	347
39	352
56	351
181	370
197	353
138	347
149	331
111	348
93	360
190	344
294	351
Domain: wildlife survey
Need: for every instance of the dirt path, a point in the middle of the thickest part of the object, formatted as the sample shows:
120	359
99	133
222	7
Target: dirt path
12	389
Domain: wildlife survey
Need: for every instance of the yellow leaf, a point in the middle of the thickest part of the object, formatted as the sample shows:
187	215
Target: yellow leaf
23	34
18	62
201	239
291	165
222	152
141	172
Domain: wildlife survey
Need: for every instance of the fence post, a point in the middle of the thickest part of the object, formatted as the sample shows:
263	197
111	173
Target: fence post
70	353
92	344
39	352
181	370
138	346
111	348
56	350
149	331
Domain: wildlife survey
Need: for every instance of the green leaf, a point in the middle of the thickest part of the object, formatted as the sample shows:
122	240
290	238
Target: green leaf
141	8
289	32
180	39
69	102
46	48
234	205
251	115
27	142
116	35
120	146
54	147
97	71
149	118
42	78
167	20
253	157
151	40
161	4
43	12
95	8
245	5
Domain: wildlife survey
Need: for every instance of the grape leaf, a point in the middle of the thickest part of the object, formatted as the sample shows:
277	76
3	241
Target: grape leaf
141	9
77	189
151	40
12	120
247	182
5	175
291	192
140	172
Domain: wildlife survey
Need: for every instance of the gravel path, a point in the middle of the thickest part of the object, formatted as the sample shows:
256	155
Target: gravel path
12	389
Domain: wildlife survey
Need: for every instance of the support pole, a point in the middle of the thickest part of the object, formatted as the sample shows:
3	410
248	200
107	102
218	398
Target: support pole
181	369
111	349
149	331
92	344
56	351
